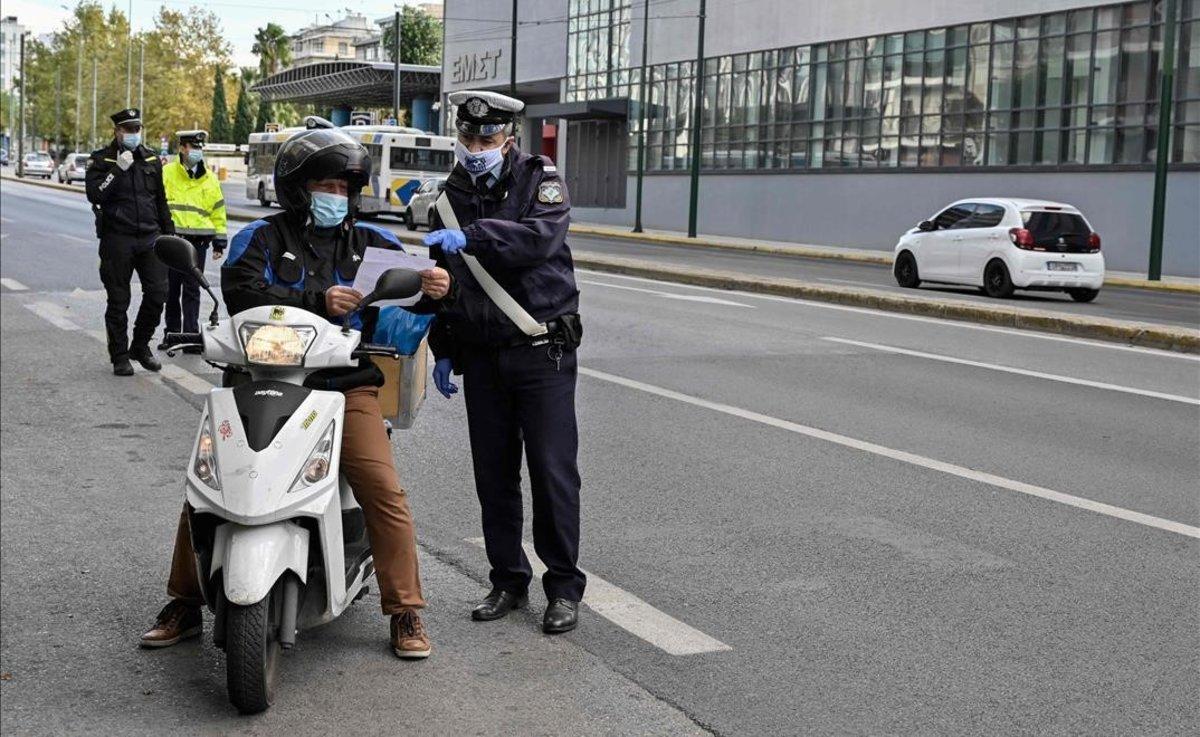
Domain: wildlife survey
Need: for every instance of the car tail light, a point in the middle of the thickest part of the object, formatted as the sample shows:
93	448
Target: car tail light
1094	241
1021	238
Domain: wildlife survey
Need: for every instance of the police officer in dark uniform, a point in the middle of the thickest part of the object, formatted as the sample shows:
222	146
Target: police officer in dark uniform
125	186
512	216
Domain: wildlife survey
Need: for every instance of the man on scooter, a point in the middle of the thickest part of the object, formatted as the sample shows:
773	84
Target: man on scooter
305	257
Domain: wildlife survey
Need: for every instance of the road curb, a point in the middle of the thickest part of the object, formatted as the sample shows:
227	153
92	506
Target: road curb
1118	331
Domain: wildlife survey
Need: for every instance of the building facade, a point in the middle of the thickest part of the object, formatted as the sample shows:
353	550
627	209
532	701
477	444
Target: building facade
332	41
10	51
844	122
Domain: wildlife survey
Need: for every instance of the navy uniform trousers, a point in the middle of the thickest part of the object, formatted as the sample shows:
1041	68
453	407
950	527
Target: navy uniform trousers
519	399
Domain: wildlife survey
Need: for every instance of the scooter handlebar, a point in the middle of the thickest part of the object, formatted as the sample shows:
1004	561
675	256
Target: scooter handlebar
177	339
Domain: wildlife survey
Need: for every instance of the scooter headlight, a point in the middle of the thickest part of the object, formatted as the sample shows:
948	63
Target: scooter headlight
316	468
205	465
276	345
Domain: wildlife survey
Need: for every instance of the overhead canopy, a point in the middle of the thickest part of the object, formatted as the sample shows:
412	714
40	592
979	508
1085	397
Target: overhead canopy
349	83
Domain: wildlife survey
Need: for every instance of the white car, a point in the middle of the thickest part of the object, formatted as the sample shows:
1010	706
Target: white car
1001	244
37	164
73	168
420	205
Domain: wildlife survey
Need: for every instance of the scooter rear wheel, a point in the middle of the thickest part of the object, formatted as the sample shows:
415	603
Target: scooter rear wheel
252	653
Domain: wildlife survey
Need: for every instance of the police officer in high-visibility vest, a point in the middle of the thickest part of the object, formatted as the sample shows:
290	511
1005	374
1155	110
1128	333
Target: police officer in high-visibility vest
510	326
198	210
125	187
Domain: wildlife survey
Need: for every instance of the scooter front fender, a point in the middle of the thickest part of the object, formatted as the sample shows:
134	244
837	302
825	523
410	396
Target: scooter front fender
251	559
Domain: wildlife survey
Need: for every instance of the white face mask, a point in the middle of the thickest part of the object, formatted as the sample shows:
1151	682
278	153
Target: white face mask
479	163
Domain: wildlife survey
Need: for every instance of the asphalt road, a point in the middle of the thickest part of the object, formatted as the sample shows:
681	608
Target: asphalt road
891	525
1113	302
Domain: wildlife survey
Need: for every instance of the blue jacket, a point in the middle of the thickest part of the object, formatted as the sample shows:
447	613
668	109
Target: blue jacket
518	231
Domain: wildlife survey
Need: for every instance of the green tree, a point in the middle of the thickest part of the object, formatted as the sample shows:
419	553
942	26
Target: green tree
420	38
264	115
243	120
273	48
218	128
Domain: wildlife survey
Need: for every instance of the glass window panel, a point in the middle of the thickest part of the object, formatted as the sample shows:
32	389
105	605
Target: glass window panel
935	71
914	74
1002	86
874	46
1051	69
1054	25
895	44
981	33
1023	148
998	148
835	87
956	80
958	36
1104	81
977	80
892	77
914	41
1132	145
1003	30
853	103
935	39
1076	140
1101	145
1029	27
1025	75
1187	144
783	93
1108	18
1137	14
889	151
1079	21
856	48
801	92
1135	65
1079	64
1049	144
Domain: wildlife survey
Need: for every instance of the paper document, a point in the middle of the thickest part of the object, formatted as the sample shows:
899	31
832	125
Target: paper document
378	260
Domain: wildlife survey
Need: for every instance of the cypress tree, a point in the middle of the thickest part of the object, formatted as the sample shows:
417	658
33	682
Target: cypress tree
218	128
241	116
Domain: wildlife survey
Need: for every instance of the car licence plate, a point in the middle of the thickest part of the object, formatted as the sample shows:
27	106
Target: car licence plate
1062	266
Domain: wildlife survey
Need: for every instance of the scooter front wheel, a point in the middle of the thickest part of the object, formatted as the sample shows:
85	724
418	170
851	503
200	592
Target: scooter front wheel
252	653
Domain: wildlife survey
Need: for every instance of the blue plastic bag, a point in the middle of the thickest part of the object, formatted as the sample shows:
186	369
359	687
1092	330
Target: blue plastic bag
402	329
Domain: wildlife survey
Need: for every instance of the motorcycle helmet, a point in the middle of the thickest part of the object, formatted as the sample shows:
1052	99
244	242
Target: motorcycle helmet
321	152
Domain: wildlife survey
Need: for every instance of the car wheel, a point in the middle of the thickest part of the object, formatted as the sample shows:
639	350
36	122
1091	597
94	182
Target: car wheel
905	271
996	281
409	223
262	196
1083	295
429	219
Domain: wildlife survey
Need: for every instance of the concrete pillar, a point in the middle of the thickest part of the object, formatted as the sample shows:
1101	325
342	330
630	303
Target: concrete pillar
340	115
422	114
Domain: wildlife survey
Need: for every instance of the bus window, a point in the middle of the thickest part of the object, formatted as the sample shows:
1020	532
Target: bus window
421	159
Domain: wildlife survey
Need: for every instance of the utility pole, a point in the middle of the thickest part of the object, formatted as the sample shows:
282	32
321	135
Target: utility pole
396	69
641	154
78	88
699	94
93	103
1166	81
129	59
512	61
21	125
57	106
142	78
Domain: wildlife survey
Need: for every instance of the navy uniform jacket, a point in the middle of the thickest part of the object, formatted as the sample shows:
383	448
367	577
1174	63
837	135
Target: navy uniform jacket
271	263
130	203
518	231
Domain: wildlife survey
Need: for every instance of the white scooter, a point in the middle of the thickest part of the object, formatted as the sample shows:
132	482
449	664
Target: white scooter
280	542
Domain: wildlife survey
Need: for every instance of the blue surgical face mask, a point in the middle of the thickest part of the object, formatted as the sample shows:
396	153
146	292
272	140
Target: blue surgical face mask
480	163
195	156
131	140
329	210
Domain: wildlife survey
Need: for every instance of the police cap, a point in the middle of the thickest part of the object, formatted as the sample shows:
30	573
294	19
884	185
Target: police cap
127	116
195	138
483	113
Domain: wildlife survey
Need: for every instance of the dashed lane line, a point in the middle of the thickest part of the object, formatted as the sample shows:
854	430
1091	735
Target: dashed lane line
633	614
1018	371
670	295
932	464
13	285
55	314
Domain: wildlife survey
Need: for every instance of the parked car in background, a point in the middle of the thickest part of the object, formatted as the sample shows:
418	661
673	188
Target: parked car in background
3	157
37	164
420	205
73	168
1000	244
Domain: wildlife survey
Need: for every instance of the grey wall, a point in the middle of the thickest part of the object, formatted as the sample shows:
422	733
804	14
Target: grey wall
872	210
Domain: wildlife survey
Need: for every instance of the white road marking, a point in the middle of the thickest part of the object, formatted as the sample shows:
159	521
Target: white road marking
914	318
4	219
669	295
905	457
14	285
185	379
1022	372
631	613
76	238
52	313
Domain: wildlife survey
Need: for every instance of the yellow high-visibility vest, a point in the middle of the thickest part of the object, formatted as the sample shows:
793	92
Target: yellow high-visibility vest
197	205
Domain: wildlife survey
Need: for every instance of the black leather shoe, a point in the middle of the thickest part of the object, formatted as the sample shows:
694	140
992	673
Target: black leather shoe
122	367
561	616
162	347
142	355
497	604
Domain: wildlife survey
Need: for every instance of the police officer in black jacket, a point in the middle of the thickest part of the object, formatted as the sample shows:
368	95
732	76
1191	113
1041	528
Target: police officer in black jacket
125	186
513	213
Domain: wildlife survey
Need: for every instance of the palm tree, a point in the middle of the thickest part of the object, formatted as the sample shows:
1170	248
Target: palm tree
273	48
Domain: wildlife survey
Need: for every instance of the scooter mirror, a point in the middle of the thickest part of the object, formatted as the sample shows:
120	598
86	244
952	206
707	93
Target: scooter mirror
394	284
179	255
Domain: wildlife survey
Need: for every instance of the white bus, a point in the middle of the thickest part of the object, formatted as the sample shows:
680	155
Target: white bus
401	158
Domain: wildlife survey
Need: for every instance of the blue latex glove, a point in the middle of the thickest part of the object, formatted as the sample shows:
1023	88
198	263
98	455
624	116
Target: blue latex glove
441	372
451	241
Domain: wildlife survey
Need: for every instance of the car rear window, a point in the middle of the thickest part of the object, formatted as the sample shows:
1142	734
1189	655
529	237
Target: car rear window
81	160
1056	228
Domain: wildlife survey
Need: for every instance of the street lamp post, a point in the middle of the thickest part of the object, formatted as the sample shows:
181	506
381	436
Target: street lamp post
129	58
512	62
78	88
1166	80
641	151
21	124
396	69
142	78
93	144
699	95
57	105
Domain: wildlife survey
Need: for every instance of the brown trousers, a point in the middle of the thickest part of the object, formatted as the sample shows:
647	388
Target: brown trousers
367	463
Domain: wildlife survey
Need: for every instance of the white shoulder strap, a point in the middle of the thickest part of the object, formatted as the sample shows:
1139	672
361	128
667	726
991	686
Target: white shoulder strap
503	299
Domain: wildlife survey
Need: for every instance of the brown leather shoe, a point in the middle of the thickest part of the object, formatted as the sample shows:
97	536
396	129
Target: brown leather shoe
177	621
409	640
